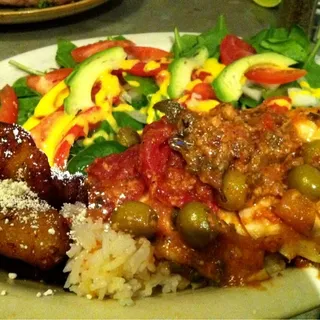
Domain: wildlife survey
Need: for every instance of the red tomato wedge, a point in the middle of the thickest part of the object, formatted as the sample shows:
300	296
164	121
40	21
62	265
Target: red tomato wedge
84	52
43	84
270	74
233	48
204	90
9	105
139	70
146	53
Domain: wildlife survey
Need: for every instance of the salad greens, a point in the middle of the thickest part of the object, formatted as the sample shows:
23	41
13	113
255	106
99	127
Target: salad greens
292	43
187	45
100	148
28	99
63	55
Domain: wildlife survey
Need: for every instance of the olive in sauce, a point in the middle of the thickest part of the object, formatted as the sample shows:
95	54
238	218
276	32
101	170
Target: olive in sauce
234	189
127	137
193	224
306	179
136	218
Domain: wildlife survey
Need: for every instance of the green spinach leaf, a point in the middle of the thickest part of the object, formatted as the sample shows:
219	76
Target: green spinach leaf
26	108
22	90
100	148
124	120
187	45
63	56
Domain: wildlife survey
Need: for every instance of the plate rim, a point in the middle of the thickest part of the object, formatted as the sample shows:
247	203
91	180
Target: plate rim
28	15
15	293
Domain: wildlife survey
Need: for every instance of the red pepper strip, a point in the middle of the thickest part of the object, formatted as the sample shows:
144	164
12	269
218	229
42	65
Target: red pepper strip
139	70
9	105
79	128
84	52
63	150
146	53
43	84
204	90
270	74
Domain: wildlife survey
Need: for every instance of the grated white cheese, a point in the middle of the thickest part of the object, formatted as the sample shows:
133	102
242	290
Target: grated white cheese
49	292
51	231
12	276
17	197
3	293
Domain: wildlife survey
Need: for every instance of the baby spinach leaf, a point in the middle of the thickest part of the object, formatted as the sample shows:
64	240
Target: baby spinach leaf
100	148
124	120
26	108
119	37
22	89
289	48
187	45
146	85
63	55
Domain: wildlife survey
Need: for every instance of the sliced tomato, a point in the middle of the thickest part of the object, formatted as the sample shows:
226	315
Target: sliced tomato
270	74
63	150
204	90
146	53
139	70
43	84
9	105
200	75
84	52
233	48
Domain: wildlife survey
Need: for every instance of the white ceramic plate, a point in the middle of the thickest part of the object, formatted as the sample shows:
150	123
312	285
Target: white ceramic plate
293	292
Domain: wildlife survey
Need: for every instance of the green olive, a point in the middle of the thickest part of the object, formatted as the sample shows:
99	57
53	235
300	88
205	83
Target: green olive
234	190
311	153
136	218
128	137
193	225
305	179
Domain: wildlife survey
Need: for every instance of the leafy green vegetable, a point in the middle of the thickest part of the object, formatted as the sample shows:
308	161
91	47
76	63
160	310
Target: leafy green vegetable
28	99
119	37
281	91
63	55
26	108
26	69
100	148
22	89
248	102
312	67
124	120
187	45
292	43
105	126
146	86
289	48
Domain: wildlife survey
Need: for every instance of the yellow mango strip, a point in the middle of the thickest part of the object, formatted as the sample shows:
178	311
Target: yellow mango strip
49	132
151	65
48	104
158	96
202	106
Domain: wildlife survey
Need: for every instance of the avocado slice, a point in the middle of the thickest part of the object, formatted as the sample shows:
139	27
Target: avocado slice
82	79
181	71
227	85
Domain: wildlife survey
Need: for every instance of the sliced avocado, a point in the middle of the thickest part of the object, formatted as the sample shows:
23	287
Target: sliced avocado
181	71
82	79
227	85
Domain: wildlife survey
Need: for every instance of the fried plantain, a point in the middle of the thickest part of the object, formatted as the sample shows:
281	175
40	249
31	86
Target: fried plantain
21	160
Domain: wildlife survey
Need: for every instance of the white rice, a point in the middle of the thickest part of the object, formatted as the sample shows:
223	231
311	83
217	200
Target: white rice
105	263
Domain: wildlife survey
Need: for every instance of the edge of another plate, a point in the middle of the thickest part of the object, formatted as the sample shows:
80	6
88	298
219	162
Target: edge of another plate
27	15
